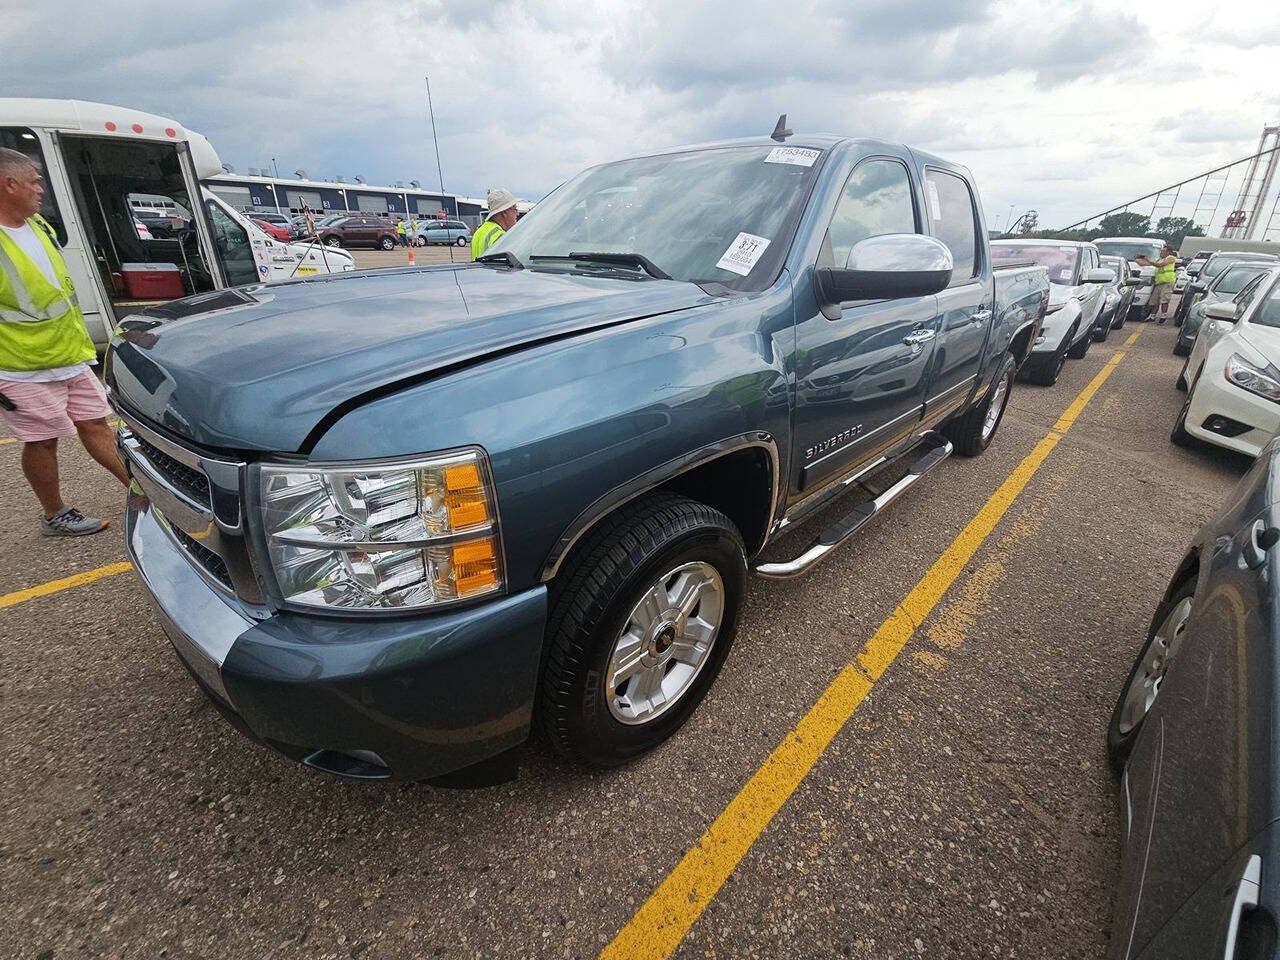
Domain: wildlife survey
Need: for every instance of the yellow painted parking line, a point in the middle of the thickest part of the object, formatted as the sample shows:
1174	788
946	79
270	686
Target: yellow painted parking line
658	927
66	583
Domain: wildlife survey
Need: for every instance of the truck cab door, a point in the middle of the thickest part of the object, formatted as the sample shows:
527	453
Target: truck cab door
860	378
967	304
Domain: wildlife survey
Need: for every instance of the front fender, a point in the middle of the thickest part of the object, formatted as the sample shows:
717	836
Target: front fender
1057	326
568	424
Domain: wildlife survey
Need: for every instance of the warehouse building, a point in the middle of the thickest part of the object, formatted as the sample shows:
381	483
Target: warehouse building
266	194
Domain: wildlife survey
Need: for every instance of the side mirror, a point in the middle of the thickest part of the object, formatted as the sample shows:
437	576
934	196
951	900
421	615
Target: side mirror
886	267
1100	275
1133	281
1222	310
1198	287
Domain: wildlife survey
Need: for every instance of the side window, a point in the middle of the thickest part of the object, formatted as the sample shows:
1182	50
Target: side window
232	243
952	220
876	200
1245	296
26	141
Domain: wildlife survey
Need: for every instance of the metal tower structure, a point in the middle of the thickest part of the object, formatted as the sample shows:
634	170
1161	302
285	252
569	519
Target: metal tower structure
1242	222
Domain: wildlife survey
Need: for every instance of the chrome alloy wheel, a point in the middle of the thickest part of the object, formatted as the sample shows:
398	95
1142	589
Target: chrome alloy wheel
665	643
995	408
1147	678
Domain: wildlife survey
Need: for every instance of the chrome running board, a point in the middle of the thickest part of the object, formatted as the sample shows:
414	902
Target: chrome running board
936	449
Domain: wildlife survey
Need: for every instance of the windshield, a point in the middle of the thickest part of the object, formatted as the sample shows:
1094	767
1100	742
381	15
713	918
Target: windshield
1060	261
723	215
1268	312
1130	249
1233	280
1217	264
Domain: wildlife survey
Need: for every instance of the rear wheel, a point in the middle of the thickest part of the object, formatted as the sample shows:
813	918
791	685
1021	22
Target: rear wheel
971	433
1145	679
640	627
387	243
461	241
332	241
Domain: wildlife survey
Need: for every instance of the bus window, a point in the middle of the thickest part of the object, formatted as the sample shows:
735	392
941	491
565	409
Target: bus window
232	244
25	141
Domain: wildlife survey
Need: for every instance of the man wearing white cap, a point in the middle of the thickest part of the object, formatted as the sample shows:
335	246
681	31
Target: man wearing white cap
502	217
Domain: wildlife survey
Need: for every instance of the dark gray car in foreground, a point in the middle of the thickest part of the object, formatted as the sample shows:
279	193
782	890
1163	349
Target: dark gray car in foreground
1194	736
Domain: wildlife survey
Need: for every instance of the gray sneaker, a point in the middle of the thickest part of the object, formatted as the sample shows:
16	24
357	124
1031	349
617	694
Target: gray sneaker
70	522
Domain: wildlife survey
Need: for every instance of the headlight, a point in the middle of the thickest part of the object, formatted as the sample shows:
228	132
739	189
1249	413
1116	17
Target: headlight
389	536
1263	382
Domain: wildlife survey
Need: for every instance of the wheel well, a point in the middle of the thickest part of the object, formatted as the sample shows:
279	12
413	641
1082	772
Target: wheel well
1020	345
739	484
1188	569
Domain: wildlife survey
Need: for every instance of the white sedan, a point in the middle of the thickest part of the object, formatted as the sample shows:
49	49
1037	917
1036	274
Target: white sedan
1233	373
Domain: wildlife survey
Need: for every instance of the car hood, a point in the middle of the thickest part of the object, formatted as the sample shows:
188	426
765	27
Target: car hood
259	367
1264	339
1061	293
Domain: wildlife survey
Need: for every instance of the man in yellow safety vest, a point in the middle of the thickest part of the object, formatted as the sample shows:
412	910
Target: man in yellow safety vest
1166	273
502	217
47	390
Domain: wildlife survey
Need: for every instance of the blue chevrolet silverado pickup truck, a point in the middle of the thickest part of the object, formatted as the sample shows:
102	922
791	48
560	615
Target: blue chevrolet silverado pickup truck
392	520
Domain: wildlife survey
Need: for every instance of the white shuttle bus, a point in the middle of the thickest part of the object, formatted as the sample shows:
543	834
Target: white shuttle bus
98	160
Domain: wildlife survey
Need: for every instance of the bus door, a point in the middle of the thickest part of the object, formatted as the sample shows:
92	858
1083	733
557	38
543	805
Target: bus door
138	263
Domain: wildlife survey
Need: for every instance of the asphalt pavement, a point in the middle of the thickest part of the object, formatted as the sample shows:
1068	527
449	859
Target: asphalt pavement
965	808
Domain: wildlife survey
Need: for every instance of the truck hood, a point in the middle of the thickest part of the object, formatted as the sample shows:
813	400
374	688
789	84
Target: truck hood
259	367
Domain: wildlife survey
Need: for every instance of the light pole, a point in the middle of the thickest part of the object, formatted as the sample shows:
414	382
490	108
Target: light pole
1009	220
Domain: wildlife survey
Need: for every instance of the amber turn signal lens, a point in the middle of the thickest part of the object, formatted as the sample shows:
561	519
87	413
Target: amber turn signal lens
475	567
464	496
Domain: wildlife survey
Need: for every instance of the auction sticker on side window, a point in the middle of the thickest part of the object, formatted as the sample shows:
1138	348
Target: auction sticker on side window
800	156
743	254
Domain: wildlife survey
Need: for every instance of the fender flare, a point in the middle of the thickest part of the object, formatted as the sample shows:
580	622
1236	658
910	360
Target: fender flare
651	479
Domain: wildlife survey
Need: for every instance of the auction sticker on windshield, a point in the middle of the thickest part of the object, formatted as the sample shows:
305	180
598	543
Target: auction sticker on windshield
800	156
743	254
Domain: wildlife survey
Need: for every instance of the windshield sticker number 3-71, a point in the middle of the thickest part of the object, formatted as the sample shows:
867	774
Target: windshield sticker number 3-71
800	156
743	254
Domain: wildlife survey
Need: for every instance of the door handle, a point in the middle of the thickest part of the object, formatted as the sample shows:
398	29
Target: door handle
917	337
1261	539
1246	898
982	316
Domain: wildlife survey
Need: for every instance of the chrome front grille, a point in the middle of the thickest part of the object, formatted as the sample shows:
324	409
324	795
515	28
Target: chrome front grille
197	499
187	480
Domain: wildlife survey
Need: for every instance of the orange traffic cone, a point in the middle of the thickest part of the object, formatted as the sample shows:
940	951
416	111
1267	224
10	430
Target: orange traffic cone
411	253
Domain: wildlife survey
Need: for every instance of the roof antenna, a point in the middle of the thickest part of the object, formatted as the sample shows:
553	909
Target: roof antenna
781	131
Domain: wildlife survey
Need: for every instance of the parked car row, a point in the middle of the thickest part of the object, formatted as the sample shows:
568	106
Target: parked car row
363	230
1084	301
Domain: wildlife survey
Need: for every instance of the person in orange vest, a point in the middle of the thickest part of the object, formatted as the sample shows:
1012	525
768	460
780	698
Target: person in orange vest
47	390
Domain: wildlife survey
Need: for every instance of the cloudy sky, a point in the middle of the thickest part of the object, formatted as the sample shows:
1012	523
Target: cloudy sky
1065	107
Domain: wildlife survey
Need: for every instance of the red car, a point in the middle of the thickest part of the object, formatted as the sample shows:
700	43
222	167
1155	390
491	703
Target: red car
272	230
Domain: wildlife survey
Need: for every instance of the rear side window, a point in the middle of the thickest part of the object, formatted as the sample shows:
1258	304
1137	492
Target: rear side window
876	200
951	219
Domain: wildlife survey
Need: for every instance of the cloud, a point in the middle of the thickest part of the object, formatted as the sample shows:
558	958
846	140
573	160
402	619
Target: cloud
1066	107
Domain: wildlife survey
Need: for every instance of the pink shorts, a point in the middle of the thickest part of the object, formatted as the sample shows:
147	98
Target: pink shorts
47	410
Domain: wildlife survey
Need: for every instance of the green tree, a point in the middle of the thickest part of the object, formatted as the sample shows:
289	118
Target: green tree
1175	229
1124	225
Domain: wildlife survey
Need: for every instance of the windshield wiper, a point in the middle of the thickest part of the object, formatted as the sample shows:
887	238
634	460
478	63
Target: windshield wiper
501	256
625	259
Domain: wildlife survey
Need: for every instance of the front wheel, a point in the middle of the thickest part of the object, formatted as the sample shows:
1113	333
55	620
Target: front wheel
1121	315
1102	330
419	241
1178	435
1147	675
972	432
332	242
1043	371
1080	347
639	627
387	243
462	241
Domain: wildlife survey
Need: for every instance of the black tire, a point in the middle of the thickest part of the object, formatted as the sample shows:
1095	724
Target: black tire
1180	349
1121	315
1080	347
1182	375
1044	371
591	602
1120	745
387	243
1178	435
333	241
1102	330
419	241
967	432
461	242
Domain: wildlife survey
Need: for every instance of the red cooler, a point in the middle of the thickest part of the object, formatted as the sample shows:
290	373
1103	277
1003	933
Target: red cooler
152	281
